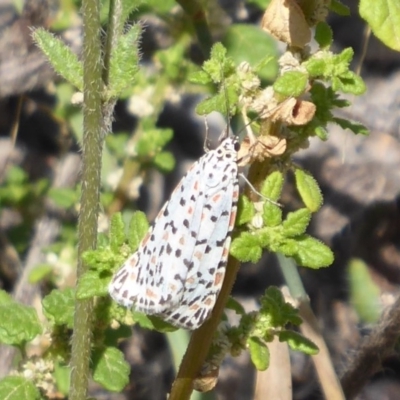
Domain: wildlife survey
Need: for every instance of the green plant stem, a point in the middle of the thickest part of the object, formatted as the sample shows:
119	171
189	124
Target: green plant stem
201	339
91	159
195	11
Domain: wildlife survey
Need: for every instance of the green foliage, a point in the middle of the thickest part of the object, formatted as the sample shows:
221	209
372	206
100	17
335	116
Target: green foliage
63	60
286	236
293	83
18	388
110	369
58	307
383	16
19	324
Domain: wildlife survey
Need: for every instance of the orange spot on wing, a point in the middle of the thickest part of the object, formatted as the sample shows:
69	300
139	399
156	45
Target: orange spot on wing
194	307
218	278
198	255
165	236
209	301
146	239
225	252
150	294
216	198
182	241
232	219
196	185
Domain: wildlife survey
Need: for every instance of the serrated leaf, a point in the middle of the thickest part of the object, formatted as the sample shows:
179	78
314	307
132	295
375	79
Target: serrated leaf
272	186
296	222
298	342
64	197
138	227
354	126
91	284
259	353
117	232
18	388
246	247
349	82
309	190
164	161
292	83
110	369
287	247
323	35
59	307
383	16
63	60
200	78
312	253
18	323
245	211
124	62
272	214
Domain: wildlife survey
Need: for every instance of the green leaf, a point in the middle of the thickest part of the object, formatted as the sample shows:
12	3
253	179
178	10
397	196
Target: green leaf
219	102
64	197
364	292
259	353
298	342
40	272
91	284
200	78
117	232
62	375
245	42
219	66
63	60
287	247
59	307
18	323
245	211
124	62
354	126
152	141
296	222
138	227
272	186
337	7
383	16
110	369
292	83
272	214
18	388
234	305
164	161
312	253
349	82
246	247
309	190
323	35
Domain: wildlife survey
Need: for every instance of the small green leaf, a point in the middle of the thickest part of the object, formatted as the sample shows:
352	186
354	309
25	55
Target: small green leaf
245	211
18	323
292	83
164	161
64	197
298	342
138	227
259	353
63	60
152	141
272	214
234	305
364	292
110	369
18	388
312	253
246	247
117	232
59	307
337	7
124	62
383	16
323	35
309	190
349	82
91	284
62	375
272	186
287	247
296	222
40	272
200	78
354	126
